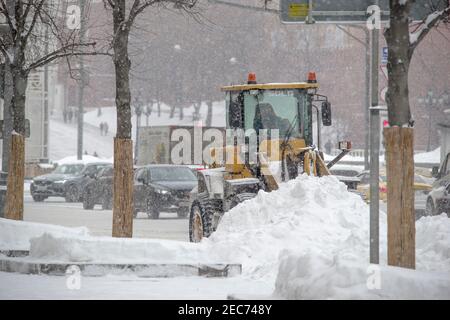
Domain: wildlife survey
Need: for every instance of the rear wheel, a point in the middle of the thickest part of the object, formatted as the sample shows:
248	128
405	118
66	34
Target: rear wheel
429	209
88	201
106	202
182	212
239	198
152	211
37	198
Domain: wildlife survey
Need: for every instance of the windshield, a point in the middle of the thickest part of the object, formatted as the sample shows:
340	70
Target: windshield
172	174
69	169
273	109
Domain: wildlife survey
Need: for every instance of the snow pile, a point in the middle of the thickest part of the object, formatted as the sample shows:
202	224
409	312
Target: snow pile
428	157
16	235
86	159
312	235
306	214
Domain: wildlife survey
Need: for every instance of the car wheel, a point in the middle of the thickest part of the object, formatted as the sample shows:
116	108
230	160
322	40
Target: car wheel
71	194
39	198
88	201
429	209
152	211
135	214
106	202
182	212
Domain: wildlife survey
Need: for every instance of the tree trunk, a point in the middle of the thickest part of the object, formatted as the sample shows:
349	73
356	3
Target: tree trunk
16	165
14	193
123	188
397	38
400	196
123	145
399	141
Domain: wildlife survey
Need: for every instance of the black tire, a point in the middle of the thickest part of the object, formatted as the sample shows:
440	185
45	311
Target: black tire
239	198
429	209
152	211
201	219
106	202
182	213
88	201
71	194
37	198
135	214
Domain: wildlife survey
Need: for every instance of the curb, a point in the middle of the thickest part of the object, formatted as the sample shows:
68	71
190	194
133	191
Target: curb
152	270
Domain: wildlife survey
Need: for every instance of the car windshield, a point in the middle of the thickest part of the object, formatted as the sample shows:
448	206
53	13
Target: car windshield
172	174
69	169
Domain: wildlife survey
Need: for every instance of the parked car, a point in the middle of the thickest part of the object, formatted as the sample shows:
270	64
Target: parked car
163	188
438	200
67	180
99	189
347	175
421	189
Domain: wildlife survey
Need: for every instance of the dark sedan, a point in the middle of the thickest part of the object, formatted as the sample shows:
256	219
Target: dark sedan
67	180
99	189
163	188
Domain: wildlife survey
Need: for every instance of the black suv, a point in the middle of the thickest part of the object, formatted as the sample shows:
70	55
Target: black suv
67	180
99	189
438	200
163	188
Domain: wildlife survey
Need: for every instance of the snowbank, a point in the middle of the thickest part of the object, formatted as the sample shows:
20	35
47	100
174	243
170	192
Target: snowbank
312	236
16	235
86	159
429	157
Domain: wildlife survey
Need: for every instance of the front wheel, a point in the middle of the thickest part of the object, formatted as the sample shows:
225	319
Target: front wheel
201	220
71	194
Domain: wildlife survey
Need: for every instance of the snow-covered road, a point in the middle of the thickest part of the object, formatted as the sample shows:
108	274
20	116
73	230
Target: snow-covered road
17	286
57	211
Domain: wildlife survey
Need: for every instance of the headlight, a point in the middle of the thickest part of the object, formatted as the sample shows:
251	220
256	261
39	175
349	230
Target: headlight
162	191
61	181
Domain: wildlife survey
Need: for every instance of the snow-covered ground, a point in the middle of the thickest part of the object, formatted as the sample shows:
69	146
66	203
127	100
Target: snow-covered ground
63	136
108	115
308	240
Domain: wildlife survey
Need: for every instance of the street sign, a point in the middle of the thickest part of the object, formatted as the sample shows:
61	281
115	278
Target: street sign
347	11
384	55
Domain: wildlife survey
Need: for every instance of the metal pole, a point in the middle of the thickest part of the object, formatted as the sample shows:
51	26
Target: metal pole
374	153
367	102
81	85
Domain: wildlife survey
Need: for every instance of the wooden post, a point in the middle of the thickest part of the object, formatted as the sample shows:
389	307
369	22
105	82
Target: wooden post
400	180
123	188
14	193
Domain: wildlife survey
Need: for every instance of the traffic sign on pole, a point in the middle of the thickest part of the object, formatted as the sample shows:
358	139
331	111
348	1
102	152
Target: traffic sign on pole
347	11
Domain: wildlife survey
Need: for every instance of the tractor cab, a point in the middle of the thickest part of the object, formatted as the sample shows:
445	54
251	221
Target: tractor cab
285	107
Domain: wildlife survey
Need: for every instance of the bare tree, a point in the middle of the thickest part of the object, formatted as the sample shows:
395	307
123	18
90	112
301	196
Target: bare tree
399	137
22	49
124	16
